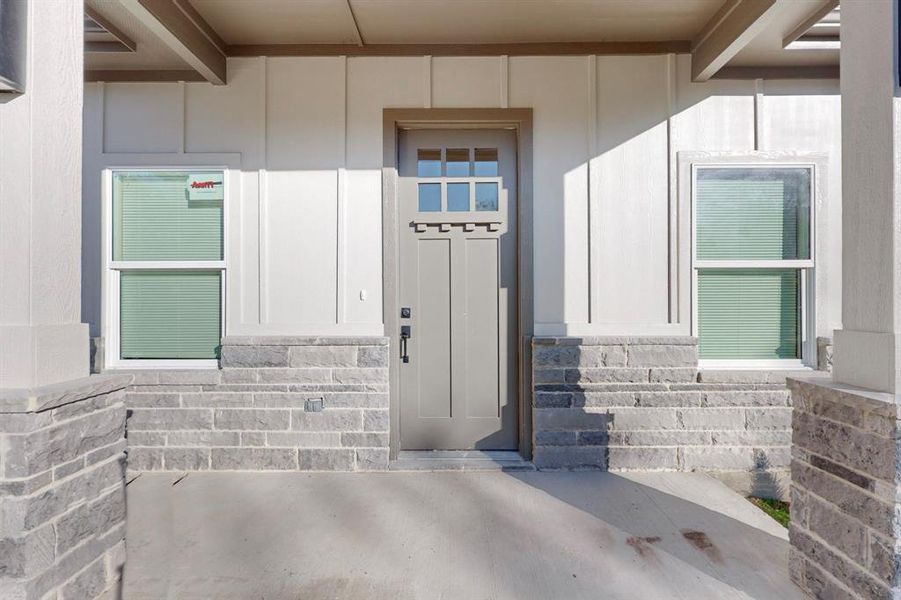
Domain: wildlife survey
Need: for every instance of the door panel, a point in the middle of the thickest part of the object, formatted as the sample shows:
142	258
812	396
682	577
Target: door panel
457	246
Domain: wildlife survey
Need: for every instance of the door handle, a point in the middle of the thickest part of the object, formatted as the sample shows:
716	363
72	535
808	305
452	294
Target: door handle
404	336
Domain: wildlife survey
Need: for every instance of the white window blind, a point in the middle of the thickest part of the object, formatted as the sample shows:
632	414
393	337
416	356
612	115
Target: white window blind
171	312
750	223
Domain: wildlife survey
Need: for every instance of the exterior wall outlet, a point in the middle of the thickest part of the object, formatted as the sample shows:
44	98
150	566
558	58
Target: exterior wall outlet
313	405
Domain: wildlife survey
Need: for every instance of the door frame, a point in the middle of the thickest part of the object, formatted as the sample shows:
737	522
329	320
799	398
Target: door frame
395	120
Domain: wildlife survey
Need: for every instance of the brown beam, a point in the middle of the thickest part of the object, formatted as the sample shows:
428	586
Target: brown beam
138	75
524	49
815	17
180	32
802	72
112	29
730	30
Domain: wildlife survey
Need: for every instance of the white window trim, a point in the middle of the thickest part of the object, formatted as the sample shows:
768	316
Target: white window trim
808	267
112	270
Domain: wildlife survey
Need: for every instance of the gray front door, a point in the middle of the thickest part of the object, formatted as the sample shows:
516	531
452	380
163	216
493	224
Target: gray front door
457	203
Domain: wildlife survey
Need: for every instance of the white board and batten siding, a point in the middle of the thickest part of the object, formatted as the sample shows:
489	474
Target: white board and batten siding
304	226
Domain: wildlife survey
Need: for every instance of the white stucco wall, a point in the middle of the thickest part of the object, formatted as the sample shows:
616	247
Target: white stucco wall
305	229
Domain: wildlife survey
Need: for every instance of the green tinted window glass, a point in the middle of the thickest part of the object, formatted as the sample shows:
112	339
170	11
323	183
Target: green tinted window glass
167	215
749	313
170	314
753	214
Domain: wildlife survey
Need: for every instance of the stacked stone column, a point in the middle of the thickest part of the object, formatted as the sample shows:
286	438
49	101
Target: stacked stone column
845	514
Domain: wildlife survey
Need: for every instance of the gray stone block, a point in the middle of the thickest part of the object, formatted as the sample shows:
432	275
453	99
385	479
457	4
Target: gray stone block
203	438
371	459
254	356
642	458
304	439
372	356
712	418
359	375
90	519
843	532
145	459
364	440
186	459
769	418
322	356
253	438
325	459
718	458
569	419
253	459
328	420
308	375
570	457
27	555
153	400
631	419
166	419
662	356
674	374
376	420
217	399
555	438
89	584
240	419
606	374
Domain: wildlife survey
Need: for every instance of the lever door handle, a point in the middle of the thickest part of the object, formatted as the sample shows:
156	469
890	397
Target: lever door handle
404	336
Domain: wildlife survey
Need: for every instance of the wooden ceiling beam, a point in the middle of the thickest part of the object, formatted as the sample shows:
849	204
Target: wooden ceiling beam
523	49
194	41
727	32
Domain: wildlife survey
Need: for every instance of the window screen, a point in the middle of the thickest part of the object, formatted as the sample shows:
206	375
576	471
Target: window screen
173	217
752	252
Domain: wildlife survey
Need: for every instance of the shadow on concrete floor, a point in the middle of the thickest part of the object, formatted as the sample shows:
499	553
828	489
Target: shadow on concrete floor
449	535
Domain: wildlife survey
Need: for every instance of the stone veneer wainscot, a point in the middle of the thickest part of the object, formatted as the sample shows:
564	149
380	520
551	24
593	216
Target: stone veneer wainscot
62	490
641	403
250	415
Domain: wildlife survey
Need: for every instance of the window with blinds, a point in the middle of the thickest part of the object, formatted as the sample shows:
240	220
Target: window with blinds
167	254
752	257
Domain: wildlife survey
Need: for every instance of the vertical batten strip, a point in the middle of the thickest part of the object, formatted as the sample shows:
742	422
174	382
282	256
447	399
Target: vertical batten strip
673	193
758	115
102	117
263	191
505	81
341	217
593	192
184	117
427	81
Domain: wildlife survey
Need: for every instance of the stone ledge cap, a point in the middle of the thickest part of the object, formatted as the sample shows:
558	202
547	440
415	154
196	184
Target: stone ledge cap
308	340
844	390
615	340
30	400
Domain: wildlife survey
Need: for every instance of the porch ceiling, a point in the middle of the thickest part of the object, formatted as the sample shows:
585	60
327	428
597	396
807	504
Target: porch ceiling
195	36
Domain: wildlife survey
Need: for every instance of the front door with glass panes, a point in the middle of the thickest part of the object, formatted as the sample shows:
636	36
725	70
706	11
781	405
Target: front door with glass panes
458	289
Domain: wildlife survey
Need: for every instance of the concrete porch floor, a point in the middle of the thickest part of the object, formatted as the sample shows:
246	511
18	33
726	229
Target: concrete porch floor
450	535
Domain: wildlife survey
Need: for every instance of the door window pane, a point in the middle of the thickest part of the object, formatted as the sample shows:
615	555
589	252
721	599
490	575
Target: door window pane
753	214
458	162
486	162
429	197
428	163
458	197
170	314
486	196
160	215
749	313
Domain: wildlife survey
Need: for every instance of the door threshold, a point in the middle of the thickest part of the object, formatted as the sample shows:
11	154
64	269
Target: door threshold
460	460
